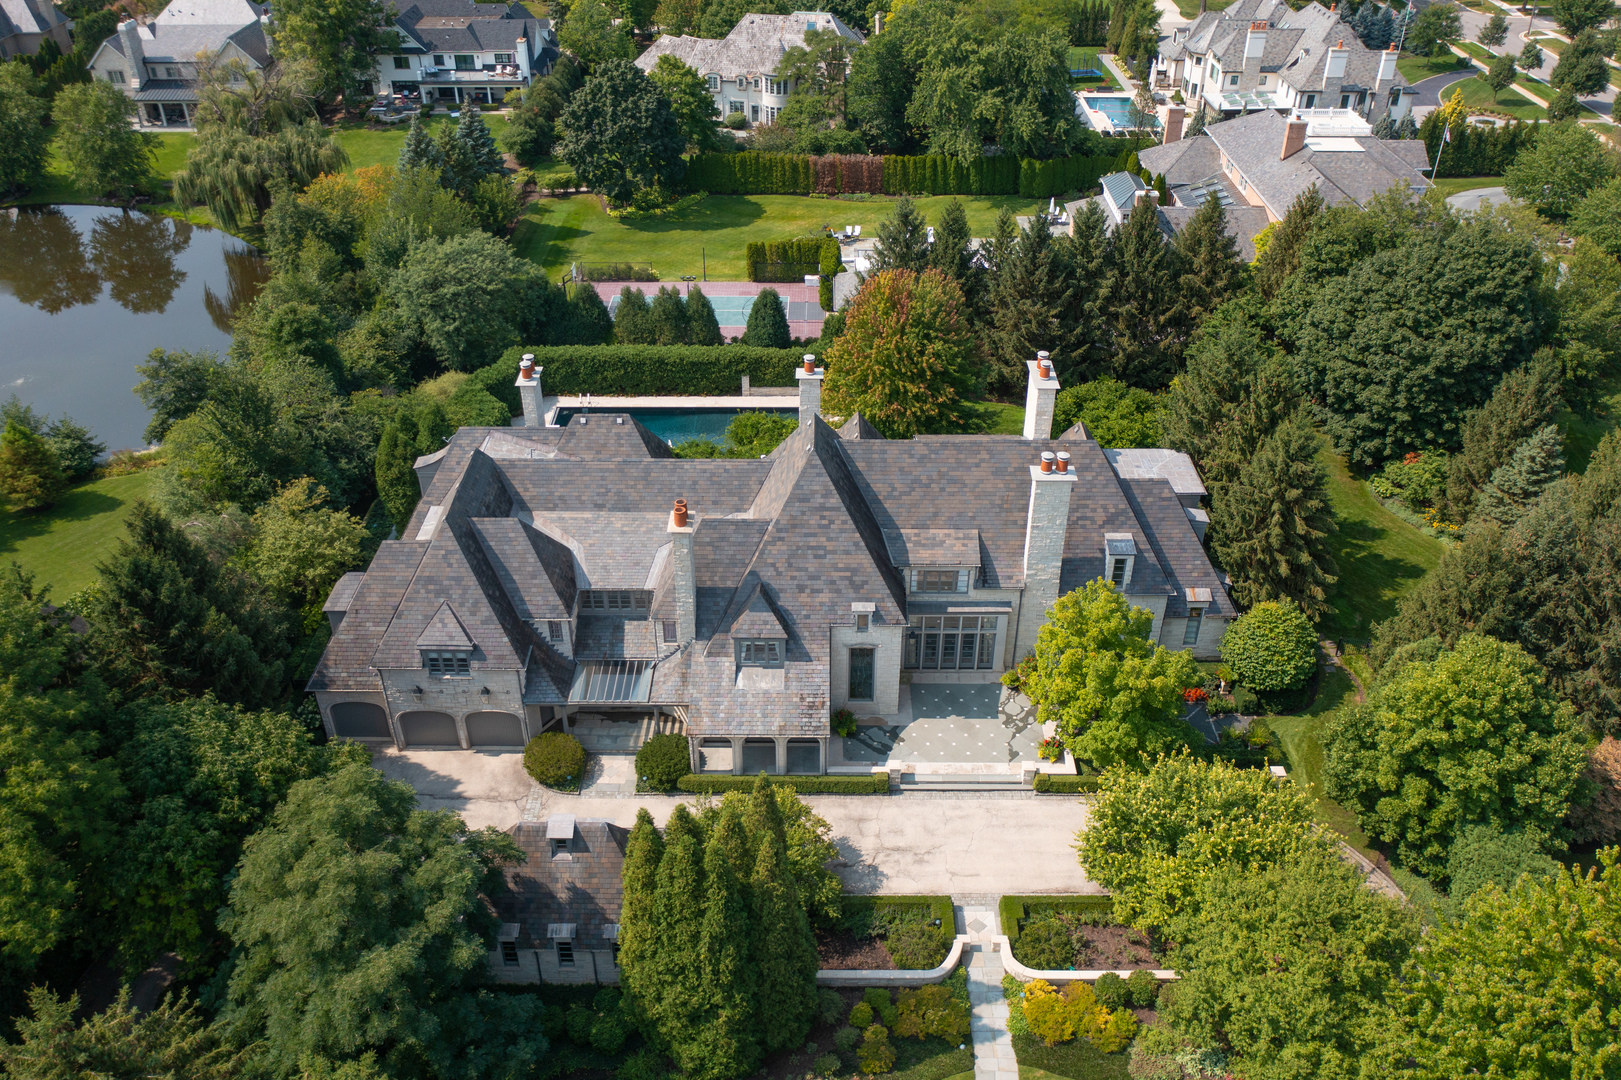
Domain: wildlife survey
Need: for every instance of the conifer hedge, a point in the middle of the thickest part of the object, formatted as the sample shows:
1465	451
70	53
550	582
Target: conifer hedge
791	260
1065	785
875	784
639	370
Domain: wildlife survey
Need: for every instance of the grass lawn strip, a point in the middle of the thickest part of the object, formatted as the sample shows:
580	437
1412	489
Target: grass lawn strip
62	545
1477	95
1449	186
1077	1059
1418	68
1301	737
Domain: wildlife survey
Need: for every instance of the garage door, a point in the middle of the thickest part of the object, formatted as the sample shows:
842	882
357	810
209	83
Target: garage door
494	729
428	729
360	720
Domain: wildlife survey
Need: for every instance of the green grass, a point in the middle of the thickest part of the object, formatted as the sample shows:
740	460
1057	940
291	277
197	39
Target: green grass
1417	68
1074	1060
1477	50
1553	45
1379	556
995	418
1190	8
709	238
1301	738
370	146
1477	95
930	1059
1452	185
62	545
549	172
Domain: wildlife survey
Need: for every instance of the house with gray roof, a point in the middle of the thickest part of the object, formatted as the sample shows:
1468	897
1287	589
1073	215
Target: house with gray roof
741	68
459	50
553	575
1263	160
26	24
157	63
1263	54
560	910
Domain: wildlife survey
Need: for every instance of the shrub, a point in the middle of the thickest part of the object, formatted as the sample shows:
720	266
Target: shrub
608	1033
1115	1031
875	784
1144	989
1065	785
878	997
663	760
876	1055
1418	480
789	260
1111	991
619	272
915	946
860	1015
555	759
642	1065
1046	946
1273	646
931	1010
1057	1016
579	1021
846	1038
844	723
827	1065
830	1005
736	121
554	1023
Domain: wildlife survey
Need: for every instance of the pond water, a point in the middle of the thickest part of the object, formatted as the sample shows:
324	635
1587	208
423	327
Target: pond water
86	292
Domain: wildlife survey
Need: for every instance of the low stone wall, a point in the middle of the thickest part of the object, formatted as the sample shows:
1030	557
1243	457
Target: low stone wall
896	978
1025	974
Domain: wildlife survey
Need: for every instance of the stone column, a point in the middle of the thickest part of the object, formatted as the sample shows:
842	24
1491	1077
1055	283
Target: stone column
782	755
737	756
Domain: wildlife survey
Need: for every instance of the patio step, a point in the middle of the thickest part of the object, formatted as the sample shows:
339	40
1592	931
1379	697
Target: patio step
960	782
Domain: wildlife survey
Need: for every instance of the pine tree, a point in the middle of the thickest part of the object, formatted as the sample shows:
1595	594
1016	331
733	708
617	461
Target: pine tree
702	326
644	849
1271	525
31	476
1197	124
1208	259
632	322
474	135
1282	255
903	241
1522	403
784	949
768	323
420	151
727	1043
1407	127
1385	128
666	984
950	254
585	319
1537	462
667	317
1148	319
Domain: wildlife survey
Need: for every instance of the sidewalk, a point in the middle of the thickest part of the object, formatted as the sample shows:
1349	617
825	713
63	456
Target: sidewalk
987	1022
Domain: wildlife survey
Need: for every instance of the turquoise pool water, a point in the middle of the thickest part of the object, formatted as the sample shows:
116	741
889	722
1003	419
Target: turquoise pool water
674	425
1112	107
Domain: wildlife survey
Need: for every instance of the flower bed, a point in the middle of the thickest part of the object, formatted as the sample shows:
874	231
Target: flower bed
905	933
1072	933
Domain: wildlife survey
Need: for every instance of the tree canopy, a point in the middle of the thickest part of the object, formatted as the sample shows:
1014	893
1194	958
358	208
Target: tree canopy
618	133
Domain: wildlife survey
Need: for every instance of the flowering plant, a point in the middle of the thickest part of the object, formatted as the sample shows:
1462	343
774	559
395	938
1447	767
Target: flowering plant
1194	694
1051	749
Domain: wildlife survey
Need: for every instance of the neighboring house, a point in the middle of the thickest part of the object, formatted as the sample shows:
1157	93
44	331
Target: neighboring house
741	68
1122	191
560	911
584	574
1263	54
157	63
1264	160
25	24
456	50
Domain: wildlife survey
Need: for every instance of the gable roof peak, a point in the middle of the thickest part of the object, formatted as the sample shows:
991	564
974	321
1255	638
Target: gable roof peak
444	631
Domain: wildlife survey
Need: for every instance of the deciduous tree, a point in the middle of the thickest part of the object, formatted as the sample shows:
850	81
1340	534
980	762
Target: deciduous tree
24	142
1574	16
471	297
1581	69
691	103
593	33
1557	172
104	154
1116	415
619	135
1272	646
1494	33
234	172
338	42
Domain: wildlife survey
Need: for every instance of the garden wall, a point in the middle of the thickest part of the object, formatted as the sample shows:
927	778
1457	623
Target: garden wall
836	977
1013	909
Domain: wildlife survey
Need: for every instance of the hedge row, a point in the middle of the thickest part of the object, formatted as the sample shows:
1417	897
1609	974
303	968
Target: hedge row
1068	785
1476	150
640	370
933	174
791	260
938	907
875	784
1014	909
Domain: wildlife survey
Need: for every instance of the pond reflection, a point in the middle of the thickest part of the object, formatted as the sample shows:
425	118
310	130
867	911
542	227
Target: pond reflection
87	292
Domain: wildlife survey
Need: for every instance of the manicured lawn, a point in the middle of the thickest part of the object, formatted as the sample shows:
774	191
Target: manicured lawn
1416	68
1452	185
371	146
1477	95
61	546
1477	50
1080	58
709	238
57	188
1301	738
1553	45
1380	557
995	418
1190	8
1074	1060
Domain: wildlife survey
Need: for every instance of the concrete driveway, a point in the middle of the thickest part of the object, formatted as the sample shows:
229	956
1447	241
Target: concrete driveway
1471	200
487	787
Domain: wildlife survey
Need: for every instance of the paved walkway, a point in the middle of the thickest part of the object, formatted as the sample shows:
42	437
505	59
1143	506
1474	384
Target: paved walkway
1470	200
987	1023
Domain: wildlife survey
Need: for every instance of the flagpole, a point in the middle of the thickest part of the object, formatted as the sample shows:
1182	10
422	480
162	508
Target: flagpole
1446	137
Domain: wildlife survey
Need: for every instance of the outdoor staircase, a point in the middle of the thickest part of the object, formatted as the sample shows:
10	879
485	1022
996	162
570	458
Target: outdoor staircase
982	783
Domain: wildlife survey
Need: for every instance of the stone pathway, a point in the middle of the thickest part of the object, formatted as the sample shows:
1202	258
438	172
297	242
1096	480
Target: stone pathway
987	1024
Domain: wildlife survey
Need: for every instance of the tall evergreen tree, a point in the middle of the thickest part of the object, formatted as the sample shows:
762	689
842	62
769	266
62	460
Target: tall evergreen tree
1522	403
584	319
1516	484
1044	293
903	241
702	326
667	317
727	1043
31	476
950	254
420	151
1145	309
763	818
768	323
1208	259
667	984
1271	525
638	927
475	137
632	324
1282	255
784	950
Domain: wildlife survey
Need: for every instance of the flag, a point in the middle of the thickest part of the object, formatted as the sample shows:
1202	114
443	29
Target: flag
1446	134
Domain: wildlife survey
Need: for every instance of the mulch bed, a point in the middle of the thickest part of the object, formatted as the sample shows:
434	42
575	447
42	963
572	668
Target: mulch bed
1114	947
846	952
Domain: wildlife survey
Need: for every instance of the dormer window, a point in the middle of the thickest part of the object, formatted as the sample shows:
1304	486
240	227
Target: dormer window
760	653
448	663
742	82
714	84
940	581
1120	554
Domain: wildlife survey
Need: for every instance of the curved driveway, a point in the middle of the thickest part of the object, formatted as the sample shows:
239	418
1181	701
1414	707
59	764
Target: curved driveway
1429	90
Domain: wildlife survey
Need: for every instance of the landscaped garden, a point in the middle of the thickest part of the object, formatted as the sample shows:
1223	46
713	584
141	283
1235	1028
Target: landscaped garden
1075	933
62	545
908	933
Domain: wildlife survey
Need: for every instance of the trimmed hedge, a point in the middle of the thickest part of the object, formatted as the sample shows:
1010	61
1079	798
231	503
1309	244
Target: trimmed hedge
1065	785
934	907
1013	910
790	260
640	370
876	784
556	759
663	760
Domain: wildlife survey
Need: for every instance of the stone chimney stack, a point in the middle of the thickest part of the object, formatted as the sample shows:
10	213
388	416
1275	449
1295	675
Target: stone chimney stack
1046	529
529	392
1255	41
810	389
1173	124
1039	398
134	56
1294	139
1387	66
1334	68
683	580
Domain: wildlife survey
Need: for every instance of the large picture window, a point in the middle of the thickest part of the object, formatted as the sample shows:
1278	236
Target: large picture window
951	642
613	600
765	653
940	581
861	674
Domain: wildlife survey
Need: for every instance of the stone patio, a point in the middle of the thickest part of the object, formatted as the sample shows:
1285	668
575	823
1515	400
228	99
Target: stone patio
957	723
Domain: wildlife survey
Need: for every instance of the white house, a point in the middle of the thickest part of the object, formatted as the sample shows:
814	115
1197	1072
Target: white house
741	68
157	62
25	24
459	50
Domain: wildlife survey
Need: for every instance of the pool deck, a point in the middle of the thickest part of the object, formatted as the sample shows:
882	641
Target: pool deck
604	403
789	291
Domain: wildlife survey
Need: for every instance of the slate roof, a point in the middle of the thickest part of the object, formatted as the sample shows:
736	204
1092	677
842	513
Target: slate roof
753	48
180	42
515	521
584	887
29	17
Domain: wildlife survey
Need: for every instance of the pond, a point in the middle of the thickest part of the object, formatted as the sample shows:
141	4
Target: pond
86	292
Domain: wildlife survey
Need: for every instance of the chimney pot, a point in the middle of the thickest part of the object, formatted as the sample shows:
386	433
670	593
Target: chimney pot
1044	364
1340	44
1047	461
1063	461
526	367
810	363
681	513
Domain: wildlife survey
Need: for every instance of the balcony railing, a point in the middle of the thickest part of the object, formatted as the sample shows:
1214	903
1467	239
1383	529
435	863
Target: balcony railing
495	73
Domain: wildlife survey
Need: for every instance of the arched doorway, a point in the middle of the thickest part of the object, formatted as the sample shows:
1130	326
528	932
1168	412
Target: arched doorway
360	720
494	729
428	729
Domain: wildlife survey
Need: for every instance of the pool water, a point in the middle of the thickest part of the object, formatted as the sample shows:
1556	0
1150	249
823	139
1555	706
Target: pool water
674	425
1115	108
734	310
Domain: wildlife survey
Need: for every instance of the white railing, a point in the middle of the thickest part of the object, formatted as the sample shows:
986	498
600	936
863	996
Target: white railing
1025	974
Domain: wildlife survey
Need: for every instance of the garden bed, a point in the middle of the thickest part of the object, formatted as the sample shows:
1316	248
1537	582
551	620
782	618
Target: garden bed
931	1058
1073	933
846	952
889	933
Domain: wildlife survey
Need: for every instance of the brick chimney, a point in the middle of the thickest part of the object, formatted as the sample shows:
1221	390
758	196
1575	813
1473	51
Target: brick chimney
1046	529
1173	124
683	580
134	56
1039	397
1294	138
810	388
529	392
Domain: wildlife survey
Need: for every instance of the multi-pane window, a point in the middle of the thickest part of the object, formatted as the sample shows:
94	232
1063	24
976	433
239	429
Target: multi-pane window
115	76
951	642
613	600
767	653
1190	635
734	107
771	114
861	674
171	73
464	62
509	953
714	83
503	58
939	581
1232	80
670	631
402	63
779	87
742	82
446	662
1117	573
438	60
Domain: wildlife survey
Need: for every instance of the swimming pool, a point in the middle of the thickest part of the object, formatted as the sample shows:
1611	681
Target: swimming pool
734	310
674	425
1113	108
